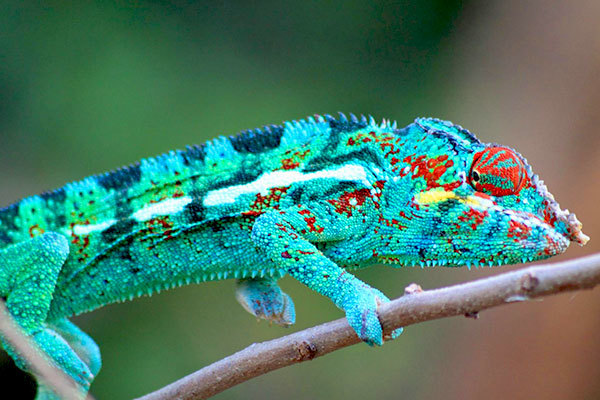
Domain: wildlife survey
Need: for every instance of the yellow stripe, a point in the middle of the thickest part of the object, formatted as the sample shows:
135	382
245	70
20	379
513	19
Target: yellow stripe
439	194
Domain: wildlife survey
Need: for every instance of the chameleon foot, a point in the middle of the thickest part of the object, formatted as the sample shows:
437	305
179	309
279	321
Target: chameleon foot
264	299
361	313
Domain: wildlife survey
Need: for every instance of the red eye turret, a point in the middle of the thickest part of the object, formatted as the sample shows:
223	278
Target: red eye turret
497	171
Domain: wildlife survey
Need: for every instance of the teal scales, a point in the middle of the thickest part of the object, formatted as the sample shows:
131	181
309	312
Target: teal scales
314	199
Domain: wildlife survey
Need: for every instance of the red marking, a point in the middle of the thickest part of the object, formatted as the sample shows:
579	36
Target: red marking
473	216
431	169
392	223
342	204
253	214
285	254
35	230
403	215
81	241
379	185
311	222
451	186
160	221
160	225
518	230
262	204
306	252
392	149
383	138
152	201
290	233
281	227
294	160
549	215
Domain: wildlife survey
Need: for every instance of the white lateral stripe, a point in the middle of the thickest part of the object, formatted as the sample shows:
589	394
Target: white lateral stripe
81	230
165	207
273	179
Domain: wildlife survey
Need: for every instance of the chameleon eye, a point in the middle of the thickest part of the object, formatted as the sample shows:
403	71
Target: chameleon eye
497	171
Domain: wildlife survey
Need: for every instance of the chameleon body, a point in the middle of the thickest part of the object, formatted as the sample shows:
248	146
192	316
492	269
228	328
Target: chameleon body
313	199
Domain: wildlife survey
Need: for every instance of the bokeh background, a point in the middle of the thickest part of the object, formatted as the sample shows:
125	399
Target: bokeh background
86	88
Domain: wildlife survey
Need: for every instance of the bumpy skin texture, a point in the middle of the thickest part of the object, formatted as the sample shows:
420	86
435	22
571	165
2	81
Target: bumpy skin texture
312	199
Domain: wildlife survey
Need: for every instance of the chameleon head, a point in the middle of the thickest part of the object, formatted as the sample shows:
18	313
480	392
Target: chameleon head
487	208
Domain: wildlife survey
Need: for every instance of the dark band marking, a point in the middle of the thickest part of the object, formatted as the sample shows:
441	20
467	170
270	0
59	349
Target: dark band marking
367	155
339	188
445	206
258	140
8	216
195	211
118	230
247	173
193	153
344	125
121	178
57	196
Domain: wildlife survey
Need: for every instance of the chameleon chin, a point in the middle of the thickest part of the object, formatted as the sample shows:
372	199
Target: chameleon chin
313	199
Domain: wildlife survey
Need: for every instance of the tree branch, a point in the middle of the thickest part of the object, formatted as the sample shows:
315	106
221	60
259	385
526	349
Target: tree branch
415	306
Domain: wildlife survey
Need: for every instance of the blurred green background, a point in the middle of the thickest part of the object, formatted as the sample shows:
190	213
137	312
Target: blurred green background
89	87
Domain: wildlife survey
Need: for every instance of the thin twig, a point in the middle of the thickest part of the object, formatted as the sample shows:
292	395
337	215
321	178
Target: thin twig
418	306
52	377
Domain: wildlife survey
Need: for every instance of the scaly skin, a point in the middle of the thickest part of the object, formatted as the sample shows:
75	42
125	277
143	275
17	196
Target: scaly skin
312	199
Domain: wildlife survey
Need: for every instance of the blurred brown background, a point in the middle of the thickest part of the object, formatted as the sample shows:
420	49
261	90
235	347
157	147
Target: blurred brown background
90	87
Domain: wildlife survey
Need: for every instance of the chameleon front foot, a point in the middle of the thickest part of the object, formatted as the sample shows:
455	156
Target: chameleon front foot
361	313
264	299
28	276
59	352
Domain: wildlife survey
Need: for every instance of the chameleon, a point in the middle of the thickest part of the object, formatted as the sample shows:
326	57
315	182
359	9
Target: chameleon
314	199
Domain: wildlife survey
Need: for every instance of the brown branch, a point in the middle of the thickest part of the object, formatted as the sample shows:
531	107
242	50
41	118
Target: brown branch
416	306
51	376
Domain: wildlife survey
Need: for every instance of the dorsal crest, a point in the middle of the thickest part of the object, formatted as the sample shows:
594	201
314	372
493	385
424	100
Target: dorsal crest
446	129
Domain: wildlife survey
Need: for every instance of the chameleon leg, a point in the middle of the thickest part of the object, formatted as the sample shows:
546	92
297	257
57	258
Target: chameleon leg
84	346
28	273
263	298
57	348
286	236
